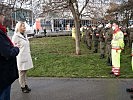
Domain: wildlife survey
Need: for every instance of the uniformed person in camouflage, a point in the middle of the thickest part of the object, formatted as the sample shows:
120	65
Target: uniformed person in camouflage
101	32
126	35
131	40
83	30
95	38
131	36
88	35
108	39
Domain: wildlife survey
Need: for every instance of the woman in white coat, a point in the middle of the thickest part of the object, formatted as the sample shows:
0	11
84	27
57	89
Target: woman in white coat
24	60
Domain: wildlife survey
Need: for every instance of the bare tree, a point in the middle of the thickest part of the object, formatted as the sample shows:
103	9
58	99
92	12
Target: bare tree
96	9
122	12
76	9
9	8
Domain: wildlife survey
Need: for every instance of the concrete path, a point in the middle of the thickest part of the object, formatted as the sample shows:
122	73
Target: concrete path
74	89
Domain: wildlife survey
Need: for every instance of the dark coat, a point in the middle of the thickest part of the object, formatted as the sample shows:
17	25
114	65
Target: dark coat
101	35
109	35
95	35
8	64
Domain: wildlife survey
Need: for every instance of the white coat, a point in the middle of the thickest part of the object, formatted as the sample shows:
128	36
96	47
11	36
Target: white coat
24	60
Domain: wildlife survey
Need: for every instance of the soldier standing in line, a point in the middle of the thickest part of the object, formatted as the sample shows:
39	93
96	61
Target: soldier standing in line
131	40
131	37
95	37
88	35
45	32
83	31
108	39
101	32
125	32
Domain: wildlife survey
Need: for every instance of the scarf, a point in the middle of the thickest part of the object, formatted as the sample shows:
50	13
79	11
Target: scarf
3	29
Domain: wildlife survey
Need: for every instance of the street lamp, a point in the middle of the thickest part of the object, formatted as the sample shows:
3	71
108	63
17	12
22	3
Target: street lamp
32	13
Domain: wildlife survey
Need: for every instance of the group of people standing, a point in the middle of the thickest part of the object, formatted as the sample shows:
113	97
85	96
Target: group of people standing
15	59
110	39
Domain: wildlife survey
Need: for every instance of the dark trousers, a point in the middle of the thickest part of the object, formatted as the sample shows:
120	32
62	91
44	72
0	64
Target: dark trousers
5	95
108	52
102	48
95	45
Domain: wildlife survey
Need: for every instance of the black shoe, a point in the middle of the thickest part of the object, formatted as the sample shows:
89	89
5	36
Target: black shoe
109	63
24	90
113	75
101	56
26	86
95	51
117	75
129	89
89	48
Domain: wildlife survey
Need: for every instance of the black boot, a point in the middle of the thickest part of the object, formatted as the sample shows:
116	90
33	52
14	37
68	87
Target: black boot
129	89
109	63
24	90
26	86
89	47
101	56
95	51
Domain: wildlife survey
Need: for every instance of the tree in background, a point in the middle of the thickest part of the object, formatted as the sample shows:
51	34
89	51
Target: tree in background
10	7
122	12
73	6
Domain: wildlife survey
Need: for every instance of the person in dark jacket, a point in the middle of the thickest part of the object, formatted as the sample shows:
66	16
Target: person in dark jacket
88	36
45	32
108	39
8	64
95	38
101	32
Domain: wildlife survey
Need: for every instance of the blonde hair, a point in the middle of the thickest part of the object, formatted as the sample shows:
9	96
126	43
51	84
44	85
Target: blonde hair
18	25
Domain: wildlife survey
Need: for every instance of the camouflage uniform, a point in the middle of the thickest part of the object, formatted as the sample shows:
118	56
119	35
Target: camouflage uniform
95	38
108	39
83	34
102	42
131	43
88	35
126	36
131	37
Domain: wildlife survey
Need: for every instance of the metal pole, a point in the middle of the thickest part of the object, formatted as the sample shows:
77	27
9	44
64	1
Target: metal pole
32	13
15	9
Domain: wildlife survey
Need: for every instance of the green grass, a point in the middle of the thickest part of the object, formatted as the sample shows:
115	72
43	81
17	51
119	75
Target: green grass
55	57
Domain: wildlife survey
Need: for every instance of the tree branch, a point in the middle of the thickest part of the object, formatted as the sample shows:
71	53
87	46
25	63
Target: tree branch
86	2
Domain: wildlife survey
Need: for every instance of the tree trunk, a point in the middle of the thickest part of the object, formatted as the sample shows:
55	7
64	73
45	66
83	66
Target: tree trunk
77	40
76	17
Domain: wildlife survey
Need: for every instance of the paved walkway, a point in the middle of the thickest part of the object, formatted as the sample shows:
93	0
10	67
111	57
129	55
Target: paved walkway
74	89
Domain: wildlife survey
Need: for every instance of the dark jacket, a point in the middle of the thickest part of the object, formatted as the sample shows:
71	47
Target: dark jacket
95	35
131	35
109	35
101	35
88	34
8	64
